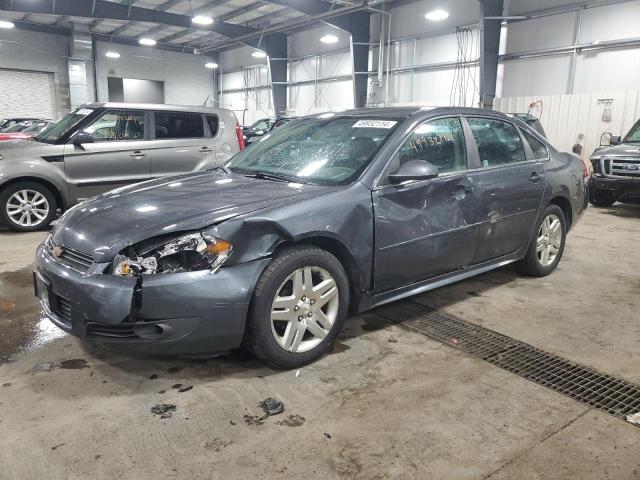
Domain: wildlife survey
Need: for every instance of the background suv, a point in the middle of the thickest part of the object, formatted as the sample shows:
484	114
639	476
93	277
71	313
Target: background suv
102	146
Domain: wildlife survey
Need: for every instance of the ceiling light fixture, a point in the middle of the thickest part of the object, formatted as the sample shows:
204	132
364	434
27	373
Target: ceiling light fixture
112	55
259	54
147	42
329	39
6	24
202	20
437	15
211	65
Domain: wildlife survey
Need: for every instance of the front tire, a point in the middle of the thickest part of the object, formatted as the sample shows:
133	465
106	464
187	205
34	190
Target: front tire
299	305
601	198
547	244
27	206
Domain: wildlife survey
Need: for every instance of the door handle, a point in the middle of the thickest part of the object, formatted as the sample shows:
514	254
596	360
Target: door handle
138	154
206	150
535	177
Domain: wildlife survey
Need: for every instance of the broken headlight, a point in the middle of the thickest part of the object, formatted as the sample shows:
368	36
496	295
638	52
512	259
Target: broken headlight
192	252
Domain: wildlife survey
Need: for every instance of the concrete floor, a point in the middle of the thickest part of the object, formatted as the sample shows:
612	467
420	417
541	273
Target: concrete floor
372	409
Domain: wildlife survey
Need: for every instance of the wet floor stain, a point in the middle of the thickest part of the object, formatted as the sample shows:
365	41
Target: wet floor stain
293	421
371	323
338	347
22	327
74	364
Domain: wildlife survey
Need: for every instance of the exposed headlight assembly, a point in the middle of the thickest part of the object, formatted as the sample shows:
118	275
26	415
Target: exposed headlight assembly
189	253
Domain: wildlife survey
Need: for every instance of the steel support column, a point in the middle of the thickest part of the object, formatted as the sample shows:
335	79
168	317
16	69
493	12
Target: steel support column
359	29
489	49
275	45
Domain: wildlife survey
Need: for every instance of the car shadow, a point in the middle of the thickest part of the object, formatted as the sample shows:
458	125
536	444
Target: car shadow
624	210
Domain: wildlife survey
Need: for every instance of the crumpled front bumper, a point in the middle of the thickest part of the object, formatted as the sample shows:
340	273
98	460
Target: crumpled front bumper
190	313
622	186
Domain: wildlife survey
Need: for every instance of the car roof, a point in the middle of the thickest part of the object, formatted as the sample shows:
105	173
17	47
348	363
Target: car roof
155	106
405	112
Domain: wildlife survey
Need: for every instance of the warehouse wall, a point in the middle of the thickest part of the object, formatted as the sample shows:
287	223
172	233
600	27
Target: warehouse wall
38	52
186	80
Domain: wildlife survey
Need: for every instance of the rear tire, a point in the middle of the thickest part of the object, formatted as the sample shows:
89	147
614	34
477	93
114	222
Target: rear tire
27	206
602	198
547	244
299	305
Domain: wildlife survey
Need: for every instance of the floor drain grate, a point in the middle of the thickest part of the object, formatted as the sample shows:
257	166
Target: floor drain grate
604	392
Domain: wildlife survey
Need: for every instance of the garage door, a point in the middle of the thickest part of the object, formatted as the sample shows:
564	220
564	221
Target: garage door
29	94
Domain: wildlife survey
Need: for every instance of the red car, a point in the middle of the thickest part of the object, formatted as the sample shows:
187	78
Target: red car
20	131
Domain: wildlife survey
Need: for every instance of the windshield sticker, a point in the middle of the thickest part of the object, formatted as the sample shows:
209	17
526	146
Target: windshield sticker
374	124
84	111
221	124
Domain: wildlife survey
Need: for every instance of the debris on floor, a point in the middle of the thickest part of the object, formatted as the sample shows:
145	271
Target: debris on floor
392	340
165	410
185	389
328	435
272	406
293	421
634	418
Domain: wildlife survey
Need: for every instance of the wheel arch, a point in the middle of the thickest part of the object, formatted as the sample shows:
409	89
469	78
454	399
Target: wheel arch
565	205
339	250
60	199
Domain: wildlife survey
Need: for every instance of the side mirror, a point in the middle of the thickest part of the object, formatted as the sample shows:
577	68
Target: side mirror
82	137
615	140
414	170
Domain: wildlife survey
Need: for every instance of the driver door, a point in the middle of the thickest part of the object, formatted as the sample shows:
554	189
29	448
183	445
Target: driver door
426	228
118	155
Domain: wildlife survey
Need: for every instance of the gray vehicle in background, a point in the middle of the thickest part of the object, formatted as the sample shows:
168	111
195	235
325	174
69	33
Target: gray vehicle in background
328	215
102	146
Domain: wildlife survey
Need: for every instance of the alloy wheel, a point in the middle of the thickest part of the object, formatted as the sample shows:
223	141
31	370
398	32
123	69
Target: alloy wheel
549	240
27	208
304	309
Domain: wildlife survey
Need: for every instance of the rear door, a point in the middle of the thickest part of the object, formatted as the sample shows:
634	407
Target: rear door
119	154
180	143
510	186
426	228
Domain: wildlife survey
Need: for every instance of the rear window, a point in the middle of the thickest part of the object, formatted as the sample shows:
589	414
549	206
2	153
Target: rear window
539	148
212	121
178	125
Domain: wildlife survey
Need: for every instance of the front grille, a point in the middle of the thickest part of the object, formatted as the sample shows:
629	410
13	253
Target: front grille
71	258
604	392
62	308
621	167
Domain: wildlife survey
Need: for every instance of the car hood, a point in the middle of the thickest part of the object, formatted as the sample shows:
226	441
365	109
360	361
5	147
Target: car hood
104	225
624	149
18	149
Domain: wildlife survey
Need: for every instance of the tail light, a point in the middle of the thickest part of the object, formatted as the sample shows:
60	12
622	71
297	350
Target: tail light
240	136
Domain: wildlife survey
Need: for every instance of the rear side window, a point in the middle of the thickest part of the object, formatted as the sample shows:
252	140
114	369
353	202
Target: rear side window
539	149
117	125
498	142
440	142
212	121
178	125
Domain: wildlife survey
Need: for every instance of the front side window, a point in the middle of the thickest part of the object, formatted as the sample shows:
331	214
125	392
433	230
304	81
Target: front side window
440	142
117	125
261	125
328	150
498	142
539	149
173	125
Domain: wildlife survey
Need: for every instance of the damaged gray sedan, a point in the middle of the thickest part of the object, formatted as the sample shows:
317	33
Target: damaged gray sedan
328	216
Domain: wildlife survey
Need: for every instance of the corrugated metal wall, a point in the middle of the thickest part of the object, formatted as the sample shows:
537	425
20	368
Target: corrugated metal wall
567	118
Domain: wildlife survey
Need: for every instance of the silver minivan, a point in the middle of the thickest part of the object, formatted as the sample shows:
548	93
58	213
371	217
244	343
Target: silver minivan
102	146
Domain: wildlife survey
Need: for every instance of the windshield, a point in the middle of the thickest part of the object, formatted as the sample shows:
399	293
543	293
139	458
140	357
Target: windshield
325	149
59	128
634	135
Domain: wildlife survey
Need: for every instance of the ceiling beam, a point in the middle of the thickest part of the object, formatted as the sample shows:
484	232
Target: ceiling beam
242	10
104	9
